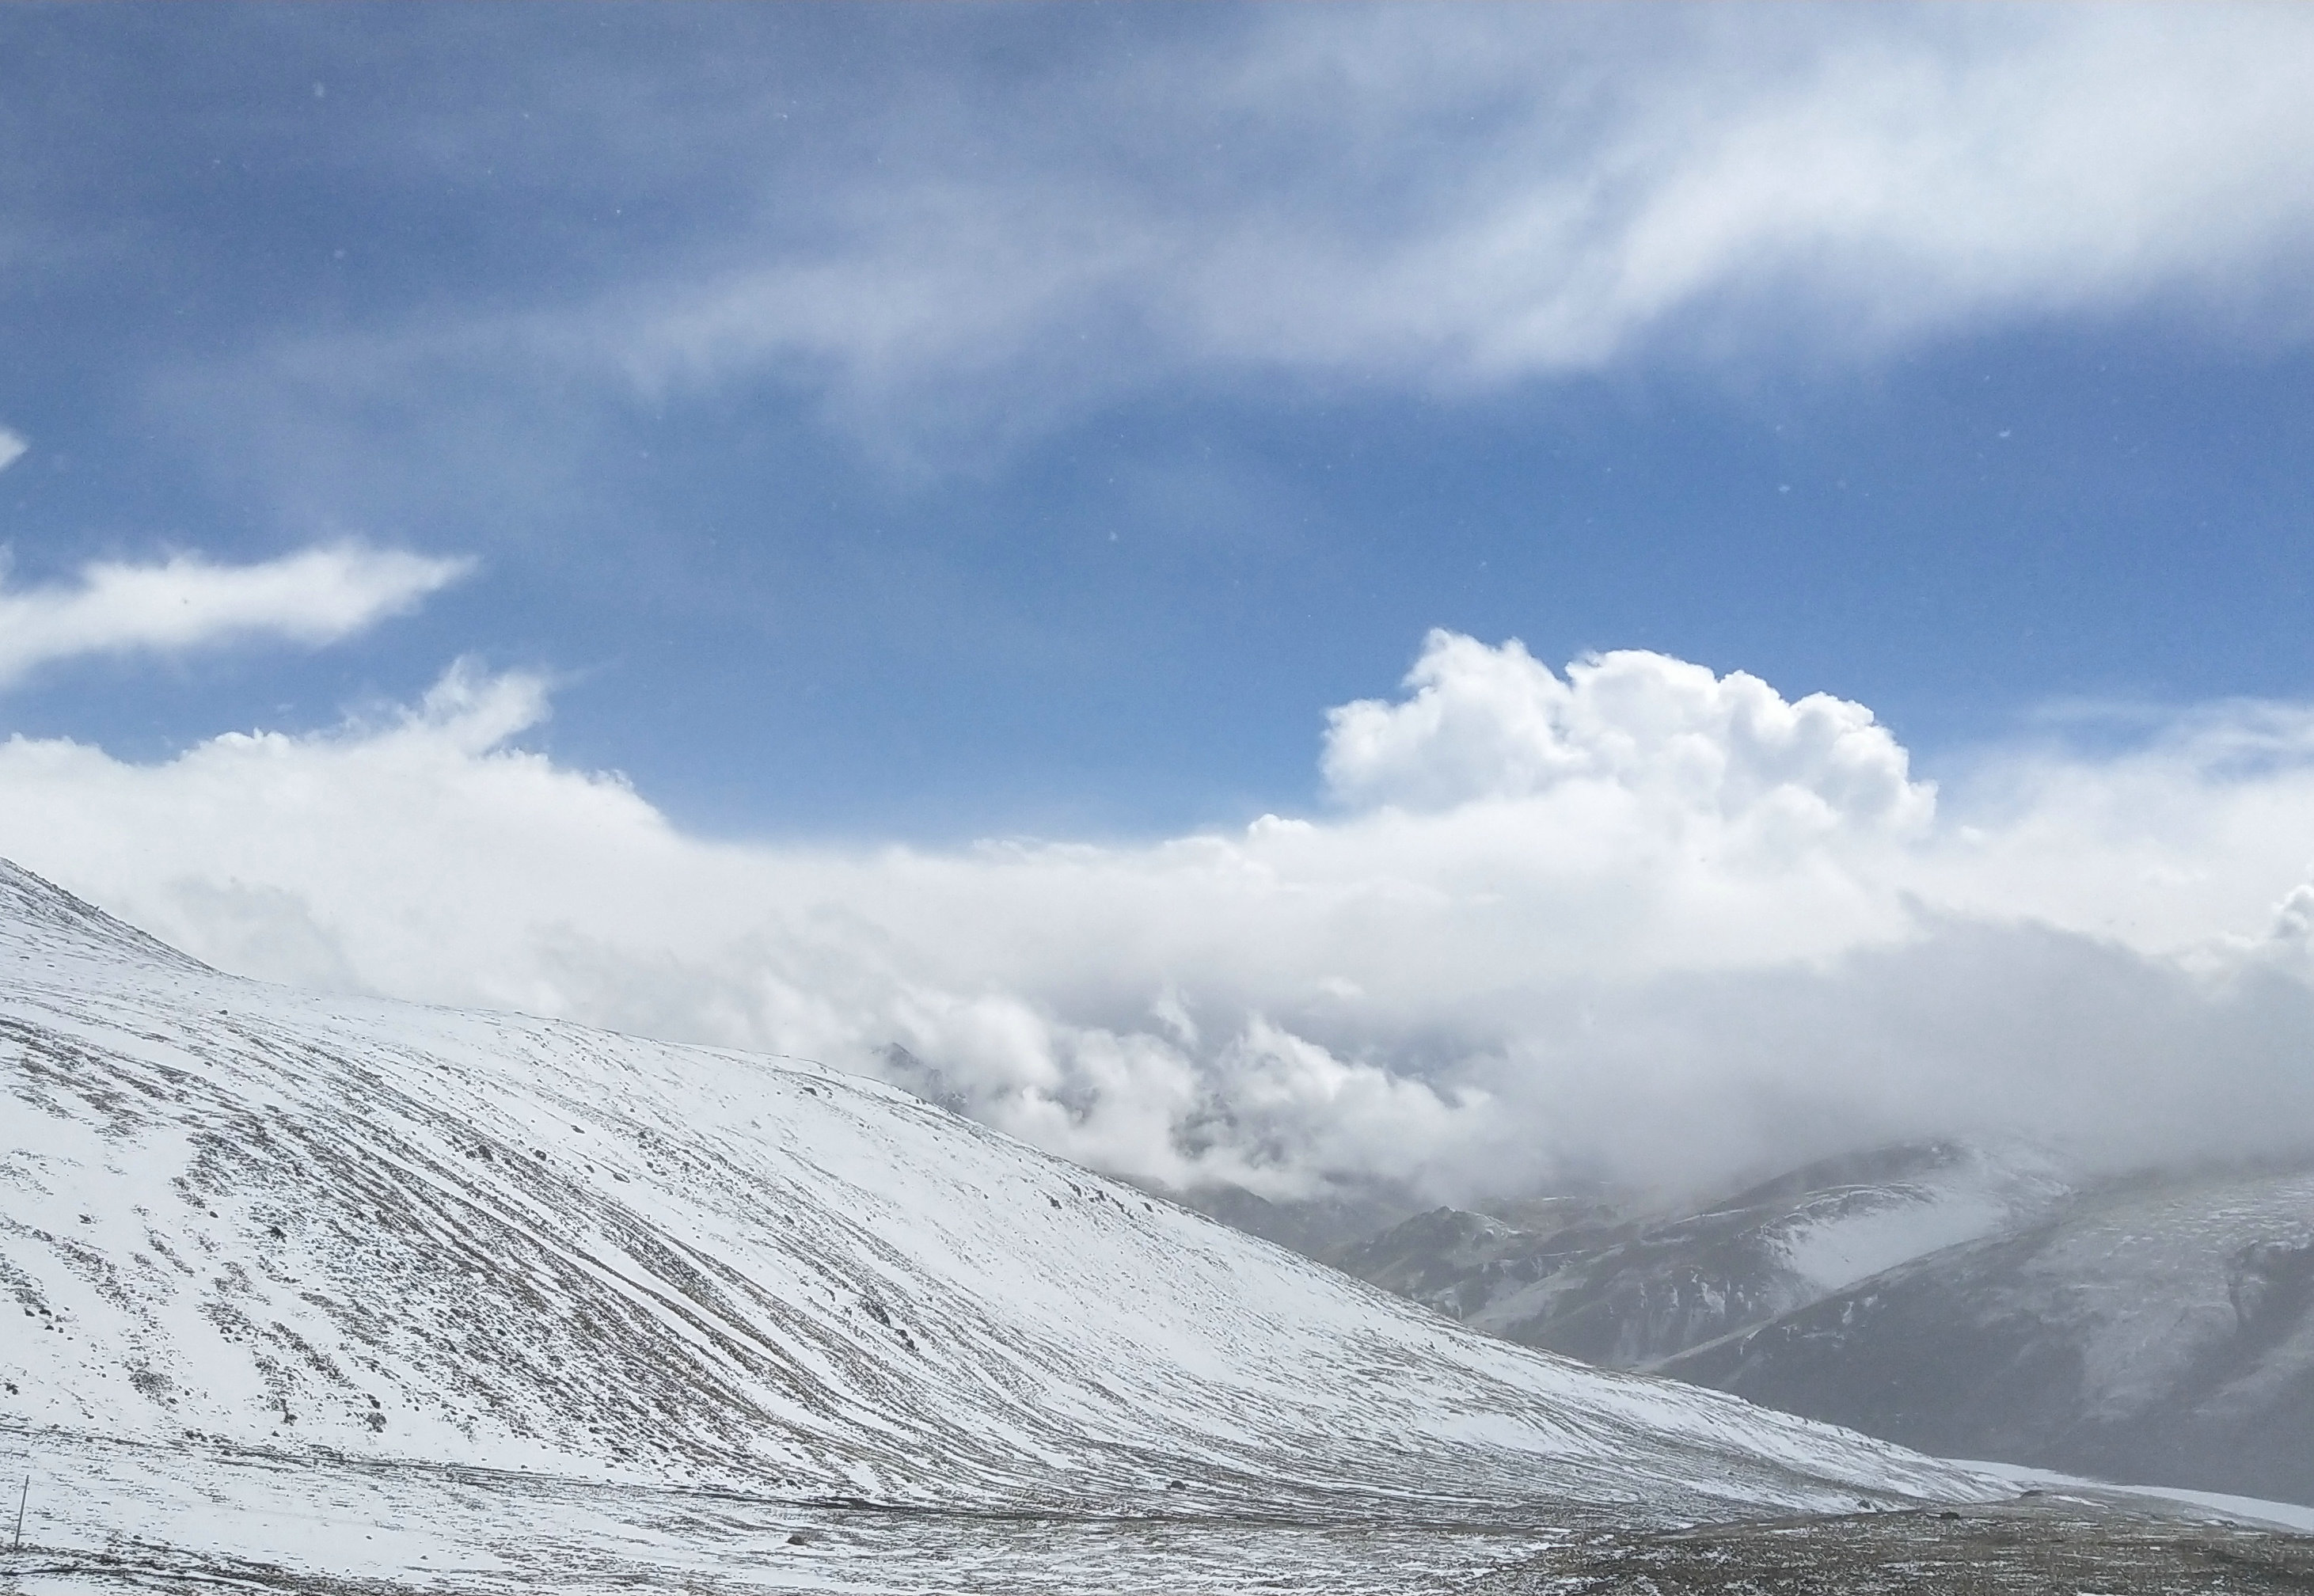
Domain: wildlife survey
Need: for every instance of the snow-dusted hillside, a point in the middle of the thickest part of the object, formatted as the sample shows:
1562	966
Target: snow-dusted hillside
237	1217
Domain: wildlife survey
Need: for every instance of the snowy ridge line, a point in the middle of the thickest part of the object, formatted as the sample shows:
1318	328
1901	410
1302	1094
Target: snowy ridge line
349	1227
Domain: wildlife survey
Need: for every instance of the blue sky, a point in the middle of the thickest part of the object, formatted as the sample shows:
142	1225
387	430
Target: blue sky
276	277
1448	599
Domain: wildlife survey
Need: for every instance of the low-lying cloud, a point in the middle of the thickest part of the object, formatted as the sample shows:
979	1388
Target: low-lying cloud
315	596
1634	921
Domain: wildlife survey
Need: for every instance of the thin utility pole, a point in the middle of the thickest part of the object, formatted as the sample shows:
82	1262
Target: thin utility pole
23	1496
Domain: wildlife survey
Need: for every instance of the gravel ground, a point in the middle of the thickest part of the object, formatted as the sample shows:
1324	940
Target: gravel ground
2080	1545
2073	1545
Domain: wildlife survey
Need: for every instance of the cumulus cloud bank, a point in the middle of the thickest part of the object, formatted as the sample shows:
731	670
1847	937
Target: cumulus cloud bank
1633	921
318	595
1495	723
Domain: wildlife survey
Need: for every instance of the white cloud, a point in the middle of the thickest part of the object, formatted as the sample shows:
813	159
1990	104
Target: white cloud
1495	723
12	447
1450	201
1459	200
316	596
1639	920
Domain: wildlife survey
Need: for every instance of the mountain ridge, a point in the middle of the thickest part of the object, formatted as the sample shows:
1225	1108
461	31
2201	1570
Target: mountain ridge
2152	1329
243	1217
2156	1327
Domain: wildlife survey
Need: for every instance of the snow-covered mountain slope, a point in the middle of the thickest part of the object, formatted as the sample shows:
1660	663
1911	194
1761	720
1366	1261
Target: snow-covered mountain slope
2160	1330
357	1232
1583	1278
1966	1302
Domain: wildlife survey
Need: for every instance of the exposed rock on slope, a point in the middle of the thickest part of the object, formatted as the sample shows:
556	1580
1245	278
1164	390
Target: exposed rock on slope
359	1230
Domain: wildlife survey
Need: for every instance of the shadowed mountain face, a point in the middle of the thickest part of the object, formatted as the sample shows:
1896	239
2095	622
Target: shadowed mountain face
2158	1330
1584	1279
340	1234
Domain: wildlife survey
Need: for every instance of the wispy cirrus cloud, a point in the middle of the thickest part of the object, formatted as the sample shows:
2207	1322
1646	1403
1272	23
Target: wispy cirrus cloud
315	596
1447	202
1458	200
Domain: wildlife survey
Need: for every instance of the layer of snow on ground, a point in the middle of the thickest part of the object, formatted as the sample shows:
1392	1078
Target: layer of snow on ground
2280	1515
244	1224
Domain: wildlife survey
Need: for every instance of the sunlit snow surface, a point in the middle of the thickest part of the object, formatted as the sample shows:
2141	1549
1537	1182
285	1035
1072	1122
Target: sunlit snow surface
360	1287
1840	1238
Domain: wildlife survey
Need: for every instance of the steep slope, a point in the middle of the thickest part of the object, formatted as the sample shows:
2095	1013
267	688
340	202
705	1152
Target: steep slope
1579	1277
357	1232
2160	1330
